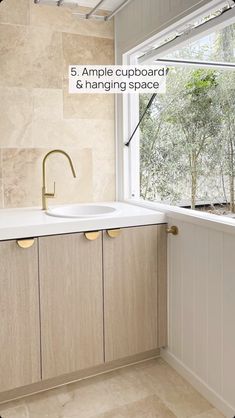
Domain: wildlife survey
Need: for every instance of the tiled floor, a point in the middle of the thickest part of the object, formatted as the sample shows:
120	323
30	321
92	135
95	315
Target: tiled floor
148	390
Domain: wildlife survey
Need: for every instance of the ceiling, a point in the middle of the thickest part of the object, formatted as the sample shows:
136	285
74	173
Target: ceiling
106	5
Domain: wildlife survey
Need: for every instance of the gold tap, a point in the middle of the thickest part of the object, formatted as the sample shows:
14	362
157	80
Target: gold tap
45	194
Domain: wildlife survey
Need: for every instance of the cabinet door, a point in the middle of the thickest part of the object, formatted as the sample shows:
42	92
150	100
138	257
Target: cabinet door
19	316
134	291
71	303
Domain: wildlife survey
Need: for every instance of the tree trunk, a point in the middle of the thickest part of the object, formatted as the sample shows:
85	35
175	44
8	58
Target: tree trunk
231	178
193	181
231	185
227	48
223	184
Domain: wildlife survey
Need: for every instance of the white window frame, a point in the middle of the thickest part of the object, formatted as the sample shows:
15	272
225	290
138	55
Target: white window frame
128	187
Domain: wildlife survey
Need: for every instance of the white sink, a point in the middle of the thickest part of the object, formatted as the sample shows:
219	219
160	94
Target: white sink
81	211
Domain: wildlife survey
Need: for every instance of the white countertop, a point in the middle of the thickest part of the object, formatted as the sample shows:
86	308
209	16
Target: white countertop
33	222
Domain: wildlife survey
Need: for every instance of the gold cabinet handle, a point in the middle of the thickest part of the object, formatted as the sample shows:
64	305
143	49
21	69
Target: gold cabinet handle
174	230
92	236
114	233
25	243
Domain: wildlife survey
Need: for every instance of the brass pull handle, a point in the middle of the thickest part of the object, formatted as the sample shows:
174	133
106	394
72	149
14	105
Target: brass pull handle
174	230
92	236
113	233
25	243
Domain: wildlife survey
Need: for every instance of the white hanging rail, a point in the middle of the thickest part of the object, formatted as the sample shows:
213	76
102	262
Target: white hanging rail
118	9
105	18
88	15
91	14
50	2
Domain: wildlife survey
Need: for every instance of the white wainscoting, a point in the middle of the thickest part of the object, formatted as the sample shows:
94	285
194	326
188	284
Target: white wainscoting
201	291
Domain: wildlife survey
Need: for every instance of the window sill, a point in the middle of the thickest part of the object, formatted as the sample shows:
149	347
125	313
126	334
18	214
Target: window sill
208	220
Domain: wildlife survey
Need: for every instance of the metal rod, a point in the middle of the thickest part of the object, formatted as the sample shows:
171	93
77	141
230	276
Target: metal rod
94	9
83	16
142	117
118	9
194	63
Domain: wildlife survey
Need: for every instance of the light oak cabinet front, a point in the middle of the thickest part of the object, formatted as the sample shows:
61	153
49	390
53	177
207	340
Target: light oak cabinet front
71	293
19	316
134	290
71	302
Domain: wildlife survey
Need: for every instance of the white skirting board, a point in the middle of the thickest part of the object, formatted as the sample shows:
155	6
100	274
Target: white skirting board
198	384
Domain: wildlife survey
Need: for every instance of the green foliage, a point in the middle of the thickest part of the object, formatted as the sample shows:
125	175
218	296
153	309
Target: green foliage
200	83
187	140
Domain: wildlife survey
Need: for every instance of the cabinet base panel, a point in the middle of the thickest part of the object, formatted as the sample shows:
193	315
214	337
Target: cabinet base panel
76	376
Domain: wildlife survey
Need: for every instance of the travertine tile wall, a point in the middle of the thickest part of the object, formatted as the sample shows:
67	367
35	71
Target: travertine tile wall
37	43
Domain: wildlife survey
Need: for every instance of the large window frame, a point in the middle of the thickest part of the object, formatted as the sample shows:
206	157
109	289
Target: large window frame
128	187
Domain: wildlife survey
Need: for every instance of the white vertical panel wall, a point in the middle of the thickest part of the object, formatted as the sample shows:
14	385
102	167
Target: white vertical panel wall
201	341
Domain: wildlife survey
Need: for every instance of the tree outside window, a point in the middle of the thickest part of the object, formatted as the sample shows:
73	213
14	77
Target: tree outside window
187	139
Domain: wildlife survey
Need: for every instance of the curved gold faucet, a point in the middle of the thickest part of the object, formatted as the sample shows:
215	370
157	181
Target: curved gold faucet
45	194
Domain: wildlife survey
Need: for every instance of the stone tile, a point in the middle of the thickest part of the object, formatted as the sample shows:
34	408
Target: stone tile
179	396
14	61
81	50
89	400
104	179
22	172
73	134
30	57
107	392
45	50
88	106
15	12
84	50
63	20
0	163
127	386
47	104
16	117
213	413
17	412
83	133
10	405
21	183
129	392
1	194
49	130
48	404
150	407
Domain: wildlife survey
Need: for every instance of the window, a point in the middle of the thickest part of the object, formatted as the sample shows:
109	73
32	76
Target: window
184	153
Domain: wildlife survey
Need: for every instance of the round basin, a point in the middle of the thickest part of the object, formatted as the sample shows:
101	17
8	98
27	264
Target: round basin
81	211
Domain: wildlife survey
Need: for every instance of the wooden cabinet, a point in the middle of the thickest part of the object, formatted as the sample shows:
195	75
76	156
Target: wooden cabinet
134	291
71	293
71	302
19	316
